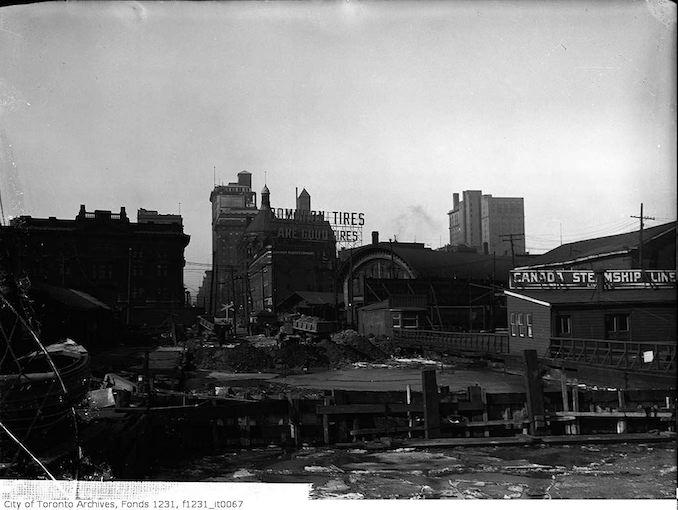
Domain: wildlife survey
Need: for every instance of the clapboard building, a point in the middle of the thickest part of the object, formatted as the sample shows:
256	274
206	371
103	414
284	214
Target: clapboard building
597	290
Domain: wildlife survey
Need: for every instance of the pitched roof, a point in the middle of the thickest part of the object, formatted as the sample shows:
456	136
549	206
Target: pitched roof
601	246
311	298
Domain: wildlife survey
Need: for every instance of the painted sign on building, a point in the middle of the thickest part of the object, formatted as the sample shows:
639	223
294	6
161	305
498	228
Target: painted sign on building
586	279
347	226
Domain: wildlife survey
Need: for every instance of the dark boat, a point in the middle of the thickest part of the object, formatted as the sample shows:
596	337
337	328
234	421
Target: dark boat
44	388
40	385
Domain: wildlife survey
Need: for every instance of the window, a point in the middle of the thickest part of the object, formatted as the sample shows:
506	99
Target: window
521	324
528	322
513	324
563	325
396	320
410	321
617	325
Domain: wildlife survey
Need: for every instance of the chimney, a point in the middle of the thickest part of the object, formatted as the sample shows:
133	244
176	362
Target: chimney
455	201
245	179
375	237
82	212
123	213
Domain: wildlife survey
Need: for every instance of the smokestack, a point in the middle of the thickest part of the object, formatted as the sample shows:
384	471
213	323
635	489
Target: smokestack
455	201
375	237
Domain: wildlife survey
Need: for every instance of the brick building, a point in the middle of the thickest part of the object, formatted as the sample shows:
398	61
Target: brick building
234	206
287	255
135	269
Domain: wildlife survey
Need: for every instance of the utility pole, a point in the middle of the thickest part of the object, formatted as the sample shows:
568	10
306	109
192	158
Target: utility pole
129	285
214	290
640	245
510	239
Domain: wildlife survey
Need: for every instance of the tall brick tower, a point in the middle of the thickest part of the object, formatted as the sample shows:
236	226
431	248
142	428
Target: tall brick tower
233	208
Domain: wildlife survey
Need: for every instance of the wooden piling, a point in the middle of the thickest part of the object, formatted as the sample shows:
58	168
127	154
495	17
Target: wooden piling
213	427
535	396
431	404
574	427
563	390
326	422
410	421
483	398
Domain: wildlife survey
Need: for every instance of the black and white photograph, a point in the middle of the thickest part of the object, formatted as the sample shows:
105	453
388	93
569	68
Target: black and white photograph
287	253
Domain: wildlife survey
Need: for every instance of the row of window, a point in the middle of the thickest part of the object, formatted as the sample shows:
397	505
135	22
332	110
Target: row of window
104	271
520	324
614	324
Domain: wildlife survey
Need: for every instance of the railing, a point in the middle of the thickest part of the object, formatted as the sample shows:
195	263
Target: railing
448	342
634	356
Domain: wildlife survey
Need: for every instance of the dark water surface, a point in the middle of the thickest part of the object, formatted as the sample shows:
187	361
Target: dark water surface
624	471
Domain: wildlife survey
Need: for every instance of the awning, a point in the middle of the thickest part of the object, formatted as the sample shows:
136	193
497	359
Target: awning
68	298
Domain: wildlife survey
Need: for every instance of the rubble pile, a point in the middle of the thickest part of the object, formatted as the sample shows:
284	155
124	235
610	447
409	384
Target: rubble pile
357	342
257	354
242	357
301	356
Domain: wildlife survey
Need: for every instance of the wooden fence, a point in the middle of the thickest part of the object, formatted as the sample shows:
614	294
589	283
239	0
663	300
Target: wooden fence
452	343
632	356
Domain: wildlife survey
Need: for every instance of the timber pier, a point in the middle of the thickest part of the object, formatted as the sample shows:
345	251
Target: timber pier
173	424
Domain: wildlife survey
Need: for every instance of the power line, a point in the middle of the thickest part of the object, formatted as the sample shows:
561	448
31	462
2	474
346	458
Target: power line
510	240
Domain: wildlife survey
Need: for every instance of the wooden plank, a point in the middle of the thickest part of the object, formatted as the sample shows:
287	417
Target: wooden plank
351	409
534	390
488	423
614	414
392	430
431	403
526	439
369	409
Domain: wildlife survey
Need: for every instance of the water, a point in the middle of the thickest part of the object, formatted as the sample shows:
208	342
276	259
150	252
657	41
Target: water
624	471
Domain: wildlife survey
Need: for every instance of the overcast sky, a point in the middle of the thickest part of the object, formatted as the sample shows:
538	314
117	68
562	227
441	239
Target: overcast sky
381	108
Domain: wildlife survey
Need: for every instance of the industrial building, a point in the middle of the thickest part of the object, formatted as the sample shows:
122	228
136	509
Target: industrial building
487	224
390	285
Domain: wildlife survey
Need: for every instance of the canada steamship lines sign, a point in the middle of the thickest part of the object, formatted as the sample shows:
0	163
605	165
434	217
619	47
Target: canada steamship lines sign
586	279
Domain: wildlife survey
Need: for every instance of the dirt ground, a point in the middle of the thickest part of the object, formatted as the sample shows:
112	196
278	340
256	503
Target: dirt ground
259	365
